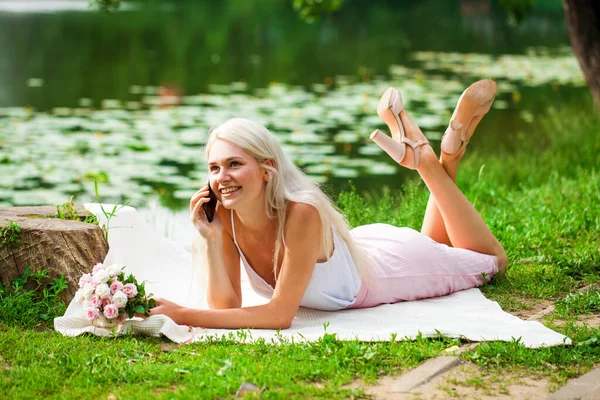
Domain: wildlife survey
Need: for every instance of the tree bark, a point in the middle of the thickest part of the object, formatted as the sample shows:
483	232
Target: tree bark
63	247
583	24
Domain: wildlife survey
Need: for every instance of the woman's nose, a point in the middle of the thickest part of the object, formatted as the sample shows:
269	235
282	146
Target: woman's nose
223	176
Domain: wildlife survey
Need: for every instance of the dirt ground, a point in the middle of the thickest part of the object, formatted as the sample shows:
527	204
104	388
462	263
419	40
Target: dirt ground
592	320
535	309
469	382
464	382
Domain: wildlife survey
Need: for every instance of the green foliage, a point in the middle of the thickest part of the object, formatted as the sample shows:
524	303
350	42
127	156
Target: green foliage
9	235
309	10
68	211
140	304
32	299
517	10
312	10
97	176
105	5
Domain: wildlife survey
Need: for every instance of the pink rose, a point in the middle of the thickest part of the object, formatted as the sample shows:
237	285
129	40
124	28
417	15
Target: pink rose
111	311
130	290
106	302
95	301
85	278
115	286
97	268
92	314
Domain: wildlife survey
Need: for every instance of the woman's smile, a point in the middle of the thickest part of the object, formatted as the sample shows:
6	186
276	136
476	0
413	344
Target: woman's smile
230	191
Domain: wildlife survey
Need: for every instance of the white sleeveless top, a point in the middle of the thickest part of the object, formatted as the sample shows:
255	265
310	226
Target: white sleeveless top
333	285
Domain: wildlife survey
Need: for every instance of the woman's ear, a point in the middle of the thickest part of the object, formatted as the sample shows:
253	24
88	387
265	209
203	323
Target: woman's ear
268	172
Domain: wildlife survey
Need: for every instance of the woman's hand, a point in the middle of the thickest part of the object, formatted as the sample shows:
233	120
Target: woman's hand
198	216
168	308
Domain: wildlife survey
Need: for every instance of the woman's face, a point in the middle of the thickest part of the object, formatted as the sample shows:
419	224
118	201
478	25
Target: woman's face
235	176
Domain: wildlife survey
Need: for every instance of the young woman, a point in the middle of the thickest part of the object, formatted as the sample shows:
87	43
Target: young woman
298	250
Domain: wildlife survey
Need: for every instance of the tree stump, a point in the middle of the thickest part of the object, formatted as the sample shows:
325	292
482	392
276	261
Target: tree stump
62	247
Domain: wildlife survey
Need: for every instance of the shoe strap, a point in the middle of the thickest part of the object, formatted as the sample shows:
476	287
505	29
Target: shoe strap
416	148
414	144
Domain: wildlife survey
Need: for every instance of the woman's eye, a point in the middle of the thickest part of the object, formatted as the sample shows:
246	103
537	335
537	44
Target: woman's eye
213	168
235	163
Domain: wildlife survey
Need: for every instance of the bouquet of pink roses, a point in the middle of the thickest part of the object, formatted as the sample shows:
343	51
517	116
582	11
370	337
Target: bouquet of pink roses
109	297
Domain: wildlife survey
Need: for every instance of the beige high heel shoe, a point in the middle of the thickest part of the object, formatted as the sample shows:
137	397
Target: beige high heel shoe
389	109
472	105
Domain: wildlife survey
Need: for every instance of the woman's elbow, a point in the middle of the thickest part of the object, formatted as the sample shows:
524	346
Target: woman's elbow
285	324
280	318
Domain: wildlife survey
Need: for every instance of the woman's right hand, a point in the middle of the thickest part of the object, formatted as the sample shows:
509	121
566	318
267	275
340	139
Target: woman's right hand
198	216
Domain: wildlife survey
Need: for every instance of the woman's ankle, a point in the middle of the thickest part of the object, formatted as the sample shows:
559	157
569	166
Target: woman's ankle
426	157
451	167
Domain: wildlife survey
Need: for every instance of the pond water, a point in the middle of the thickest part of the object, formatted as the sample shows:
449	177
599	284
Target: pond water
126	99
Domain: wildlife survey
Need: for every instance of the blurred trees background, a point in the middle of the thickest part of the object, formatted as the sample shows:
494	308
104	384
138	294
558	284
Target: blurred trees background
582	18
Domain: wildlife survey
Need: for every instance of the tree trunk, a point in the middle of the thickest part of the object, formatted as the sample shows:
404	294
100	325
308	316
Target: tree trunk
63	247
583	23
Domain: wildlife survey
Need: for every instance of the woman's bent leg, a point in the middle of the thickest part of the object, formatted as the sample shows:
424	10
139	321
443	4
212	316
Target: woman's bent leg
472	105
433	223
465	227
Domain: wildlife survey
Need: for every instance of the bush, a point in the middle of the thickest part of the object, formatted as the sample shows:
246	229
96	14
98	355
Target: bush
32	299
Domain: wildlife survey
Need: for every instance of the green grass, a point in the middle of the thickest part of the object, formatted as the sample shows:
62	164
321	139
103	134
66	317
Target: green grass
582	303
541	198
32	300
45	364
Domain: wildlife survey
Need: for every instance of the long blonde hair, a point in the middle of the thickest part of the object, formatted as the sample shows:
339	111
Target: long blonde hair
287	183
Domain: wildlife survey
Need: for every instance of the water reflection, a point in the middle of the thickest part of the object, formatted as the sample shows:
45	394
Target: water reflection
193	45
126	99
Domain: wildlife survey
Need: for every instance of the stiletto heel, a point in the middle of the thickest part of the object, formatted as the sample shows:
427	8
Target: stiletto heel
472	105
389	108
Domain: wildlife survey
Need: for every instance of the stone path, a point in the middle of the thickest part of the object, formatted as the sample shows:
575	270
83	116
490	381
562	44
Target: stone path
448	376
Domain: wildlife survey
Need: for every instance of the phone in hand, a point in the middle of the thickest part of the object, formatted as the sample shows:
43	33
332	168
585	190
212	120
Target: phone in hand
211	206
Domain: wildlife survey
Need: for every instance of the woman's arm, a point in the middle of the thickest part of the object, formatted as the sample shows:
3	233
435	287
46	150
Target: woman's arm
302	232
223	263
222	258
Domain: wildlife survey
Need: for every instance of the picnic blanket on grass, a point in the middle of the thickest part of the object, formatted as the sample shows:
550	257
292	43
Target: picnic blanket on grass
167	269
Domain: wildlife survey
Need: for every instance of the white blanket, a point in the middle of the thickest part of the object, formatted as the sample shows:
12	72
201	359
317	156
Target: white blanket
167	268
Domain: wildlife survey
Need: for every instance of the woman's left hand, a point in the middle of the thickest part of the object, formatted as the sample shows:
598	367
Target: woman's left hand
168	308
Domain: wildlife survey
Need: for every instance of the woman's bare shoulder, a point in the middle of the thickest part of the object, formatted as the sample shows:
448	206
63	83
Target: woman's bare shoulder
302	213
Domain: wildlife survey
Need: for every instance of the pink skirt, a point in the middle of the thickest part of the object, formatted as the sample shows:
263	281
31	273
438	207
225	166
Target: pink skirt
407	265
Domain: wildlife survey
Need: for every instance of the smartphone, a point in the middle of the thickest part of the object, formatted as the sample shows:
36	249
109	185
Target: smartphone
211	206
